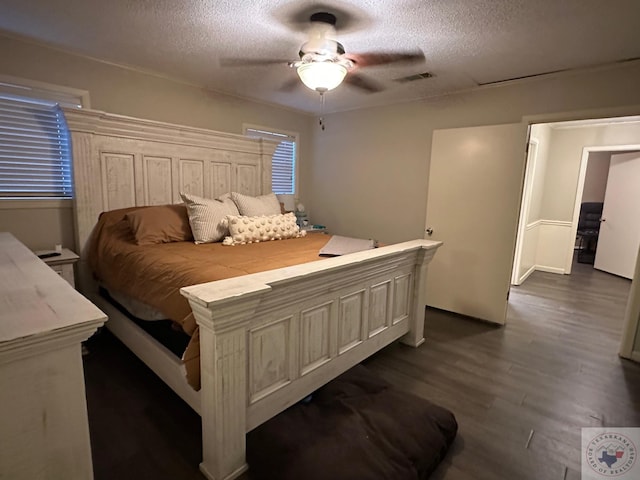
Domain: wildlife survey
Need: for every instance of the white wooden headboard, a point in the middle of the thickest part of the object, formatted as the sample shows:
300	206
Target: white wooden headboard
122	162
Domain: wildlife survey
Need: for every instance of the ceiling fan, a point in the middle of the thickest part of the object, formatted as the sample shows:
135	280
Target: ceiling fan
324	63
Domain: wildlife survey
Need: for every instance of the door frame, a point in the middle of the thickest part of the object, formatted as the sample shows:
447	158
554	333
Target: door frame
525	205
586	151
632	319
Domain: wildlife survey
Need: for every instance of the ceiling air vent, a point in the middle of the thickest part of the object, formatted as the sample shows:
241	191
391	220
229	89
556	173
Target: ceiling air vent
413	78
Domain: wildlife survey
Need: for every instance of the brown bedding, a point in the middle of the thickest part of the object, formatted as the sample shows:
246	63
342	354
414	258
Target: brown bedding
155	273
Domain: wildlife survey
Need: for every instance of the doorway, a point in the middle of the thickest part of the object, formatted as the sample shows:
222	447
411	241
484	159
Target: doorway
473	204
554	186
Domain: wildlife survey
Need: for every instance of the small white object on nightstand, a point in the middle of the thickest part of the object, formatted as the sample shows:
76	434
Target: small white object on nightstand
62	264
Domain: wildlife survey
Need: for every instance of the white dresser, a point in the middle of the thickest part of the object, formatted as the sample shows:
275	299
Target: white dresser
43	412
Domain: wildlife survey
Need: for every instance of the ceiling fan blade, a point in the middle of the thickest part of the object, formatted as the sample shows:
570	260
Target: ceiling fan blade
251	62
362	83
290	85
371	59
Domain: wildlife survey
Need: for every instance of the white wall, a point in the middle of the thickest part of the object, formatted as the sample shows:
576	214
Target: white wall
127	92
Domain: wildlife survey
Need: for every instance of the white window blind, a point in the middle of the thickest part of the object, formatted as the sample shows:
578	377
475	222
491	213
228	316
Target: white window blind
34	149
283	163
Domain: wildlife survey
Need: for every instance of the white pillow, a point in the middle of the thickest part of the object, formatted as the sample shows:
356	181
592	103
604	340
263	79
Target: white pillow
261	229
208	217
255	206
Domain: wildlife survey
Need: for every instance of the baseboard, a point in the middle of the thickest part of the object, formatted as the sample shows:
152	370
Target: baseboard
543	268
539	268
525	275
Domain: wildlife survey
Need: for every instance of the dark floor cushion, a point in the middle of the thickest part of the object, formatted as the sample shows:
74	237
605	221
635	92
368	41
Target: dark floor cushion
355	427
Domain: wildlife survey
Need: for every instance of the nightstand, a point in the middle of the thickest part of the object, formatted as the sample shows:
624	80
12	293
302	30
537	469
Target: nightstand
62	264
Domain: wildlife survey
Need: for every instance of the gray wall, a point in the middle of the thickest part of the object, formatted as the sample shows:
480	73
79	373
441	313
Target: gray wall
370	167
127	92
367	174
37	226
595	179
541	133
565	156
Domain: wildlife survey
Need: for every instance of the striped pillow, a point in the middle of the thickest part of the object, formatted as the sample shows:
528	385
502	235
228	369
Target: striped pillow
207	217
255	206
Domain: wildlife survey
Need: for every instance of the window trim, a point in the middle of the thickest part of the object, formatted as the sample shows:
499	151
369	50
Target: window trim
65	96
296	135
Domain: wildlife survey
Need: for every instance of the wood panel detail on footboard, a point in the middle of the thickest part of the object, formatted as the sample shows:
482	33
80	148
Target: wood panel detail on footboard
270	339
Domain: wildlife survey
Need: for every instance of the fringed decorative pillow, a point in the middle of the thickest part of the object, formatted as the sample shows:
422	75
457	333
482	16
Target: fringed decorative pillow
243	229
207	217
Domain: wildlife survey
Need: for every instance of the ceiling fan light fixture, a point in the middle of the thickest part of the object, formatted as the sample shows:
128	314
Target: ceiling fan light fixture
322	76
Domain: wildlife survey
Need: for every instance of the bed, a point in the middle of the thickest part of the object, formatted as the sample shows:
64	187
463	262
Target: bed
267	339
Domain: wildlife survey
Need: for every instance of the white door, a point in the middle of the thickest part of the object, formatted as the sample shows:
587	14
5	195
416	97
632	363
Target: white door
475	185
619	237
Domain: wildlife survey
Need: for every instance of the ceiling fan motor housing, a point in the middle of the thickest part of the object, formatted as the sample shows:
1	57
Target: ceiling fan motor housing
322	48
322	41
323	17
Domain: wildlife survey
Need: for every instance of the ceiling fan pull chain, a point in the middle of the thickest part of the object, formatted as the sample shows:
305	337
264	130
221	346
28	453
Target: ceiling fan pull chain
322	110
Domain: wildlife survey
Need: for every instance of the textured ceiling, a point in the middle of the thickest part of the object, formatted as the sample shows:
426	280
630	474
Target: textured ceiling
465	42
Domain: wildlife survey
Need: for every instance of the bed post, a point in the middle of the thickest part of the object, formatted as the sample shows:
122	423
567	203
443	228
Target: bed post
415	335
223	360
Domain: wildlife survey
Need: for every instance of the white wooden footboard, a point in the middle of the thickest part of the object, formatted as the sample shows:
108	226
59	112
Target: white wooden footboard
269	339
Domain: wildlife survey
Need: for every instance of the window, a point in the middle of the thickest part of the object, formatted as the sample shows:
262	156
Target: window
35	157
283	176
34	150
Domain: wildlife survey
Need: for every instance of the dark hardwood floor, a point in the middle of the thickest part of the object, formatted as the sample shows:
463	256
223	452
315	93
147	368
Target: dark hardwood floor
521	393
